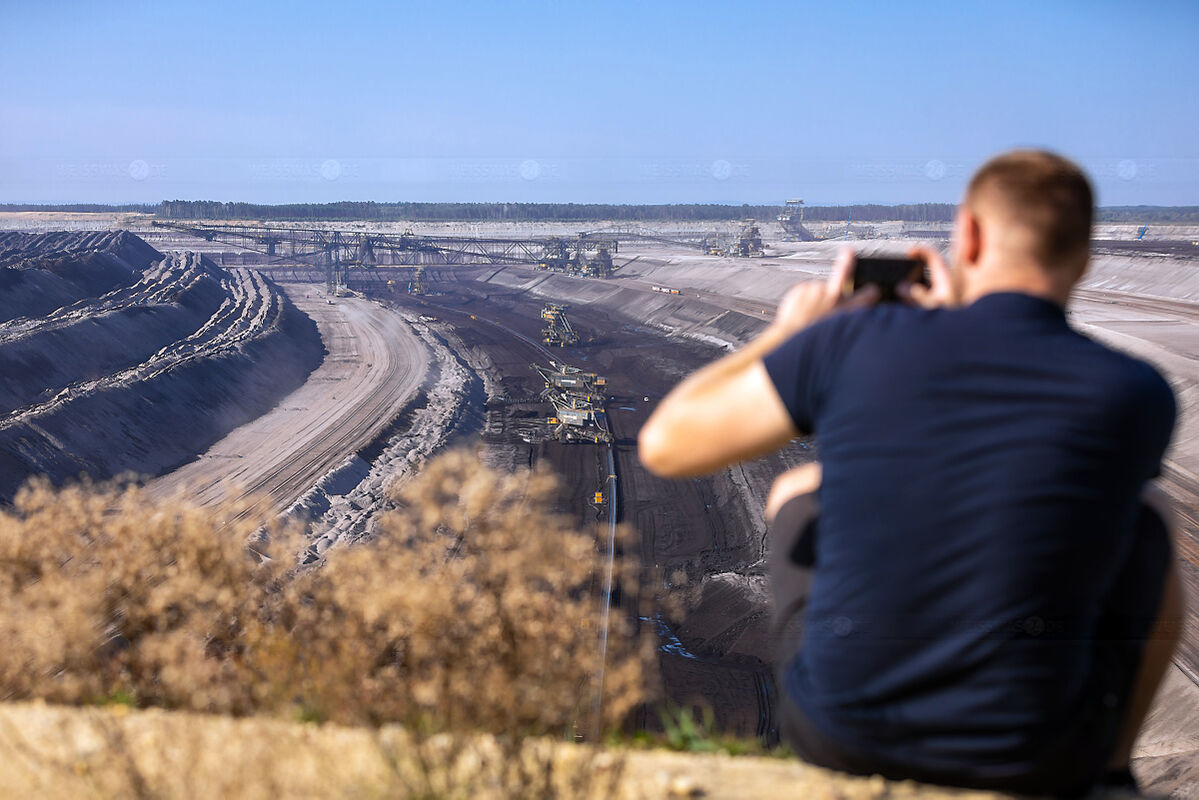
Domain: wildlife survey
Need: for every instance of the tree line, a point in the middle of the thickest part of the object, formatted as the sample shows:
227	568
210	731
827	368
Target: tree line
1146	214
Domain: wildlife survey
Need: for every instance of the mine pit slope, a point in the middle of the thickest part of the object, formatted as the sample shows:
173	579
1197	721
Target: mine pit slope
118	359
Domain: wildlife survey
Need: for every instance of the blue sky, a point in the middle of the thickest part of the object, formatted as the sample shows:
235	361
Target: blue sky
589	101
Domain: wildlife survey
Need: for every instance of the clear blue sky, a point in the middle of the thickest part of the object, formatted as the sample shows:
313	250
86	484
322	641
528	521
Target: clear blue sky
644	101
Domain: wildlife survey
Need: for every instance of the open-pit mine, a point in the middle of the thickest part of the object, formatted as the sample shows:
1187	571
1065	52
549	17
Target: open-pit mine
312	366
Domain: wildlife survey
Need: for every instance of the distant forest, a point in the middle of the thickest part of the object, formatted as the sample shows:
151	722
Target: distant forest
569	212
1145	214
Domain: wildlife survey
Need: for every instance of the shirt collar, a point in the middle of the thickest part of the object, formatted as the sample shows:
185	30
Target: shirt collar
1018	304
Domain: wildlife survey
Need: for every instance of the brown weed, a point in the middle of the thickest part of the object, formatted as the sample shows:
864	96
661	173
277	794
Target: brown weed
475	610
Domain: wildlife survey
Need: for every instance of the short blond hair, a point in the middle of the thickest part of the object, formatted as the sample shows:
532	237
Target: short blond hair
1047	195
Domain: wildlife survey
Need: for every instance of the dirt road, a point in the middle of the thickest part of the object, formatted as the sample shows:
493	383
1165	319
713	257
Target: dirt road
373	366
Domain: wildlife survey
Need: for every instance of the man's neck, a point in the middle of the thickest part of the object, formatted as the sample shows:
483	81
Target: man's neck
1028	280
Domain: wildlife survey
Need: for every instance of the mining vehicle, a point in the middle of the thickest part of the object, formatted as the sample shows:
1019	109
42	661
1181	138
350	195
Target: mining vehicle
749	241
556	256
553	394
417	283
578	421
791	218
599	265
558	332
564	376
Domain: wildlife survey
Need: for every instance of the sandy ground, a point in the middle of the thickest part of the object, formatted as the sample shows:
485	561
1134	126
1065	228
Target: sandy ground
373	366
55	752
345	505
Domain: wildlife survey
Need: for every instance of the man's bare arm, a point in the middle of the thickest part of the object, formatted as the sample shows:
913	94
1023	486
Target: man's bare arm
726	416
729	411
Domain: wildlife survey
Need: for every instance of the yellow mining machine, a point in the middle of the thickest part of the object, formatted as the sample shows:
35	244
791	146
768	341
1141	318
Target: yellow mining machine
749	241
416	284
578	420
599	265
557	332
578	401
560	377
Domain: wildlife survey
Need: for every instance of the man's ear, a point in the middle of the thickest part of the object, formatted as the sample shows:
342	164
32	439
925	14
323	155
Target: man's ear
970	237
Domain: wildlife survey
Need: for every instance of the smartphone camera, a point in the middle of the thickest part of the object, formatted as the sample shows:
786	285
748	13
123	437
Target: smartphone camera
886	273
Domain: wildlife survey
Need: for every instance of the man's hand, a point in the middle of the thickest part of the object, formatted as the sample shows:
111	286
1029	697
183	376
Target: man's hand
942	292
810	301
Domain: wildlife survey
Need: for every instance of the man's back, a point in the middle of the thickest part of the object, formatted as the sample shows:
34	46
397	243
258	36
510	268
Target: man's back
981	473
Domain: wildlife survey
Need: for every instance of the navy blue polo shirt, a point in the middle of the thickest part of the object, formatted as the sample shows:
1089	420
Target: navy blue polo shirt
982	468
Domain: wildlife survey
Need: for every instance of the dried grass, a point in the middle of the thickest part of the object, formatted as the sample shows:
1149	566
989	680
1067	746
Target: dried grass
474	611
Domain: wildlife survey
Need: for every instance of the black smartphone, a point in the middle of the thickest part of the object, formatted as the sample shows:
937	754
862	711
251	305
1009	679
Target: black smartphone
887	273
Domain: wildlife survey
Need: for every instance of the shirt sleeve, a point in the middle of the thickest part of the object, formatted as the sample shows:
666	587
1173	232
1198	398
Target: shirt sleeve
800	369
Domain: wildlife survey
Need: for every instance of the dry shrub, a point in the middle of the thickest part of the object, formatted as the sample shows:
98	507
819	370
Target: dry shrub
105	594
475	610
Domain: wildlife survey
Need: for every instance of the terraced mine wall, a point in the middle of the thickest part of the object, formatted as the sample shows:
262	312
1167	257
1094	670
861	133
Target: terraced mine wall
45	271
143	360
692	314
728	304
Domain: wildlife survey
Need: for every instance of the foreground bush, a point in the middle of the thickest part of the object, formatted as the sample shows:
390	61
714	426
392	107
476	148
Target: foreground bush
475	610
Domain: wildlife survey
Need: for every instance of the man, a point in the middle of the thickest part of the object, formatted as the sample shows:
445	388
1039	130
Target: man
980	600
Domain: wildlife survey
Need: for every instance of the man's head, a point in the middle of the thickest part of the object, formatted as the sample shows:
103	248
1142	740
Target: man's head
1024	224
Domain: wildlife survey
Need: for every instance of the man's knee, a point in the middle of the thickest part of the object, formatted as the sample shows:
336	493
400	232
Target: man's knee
797	481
